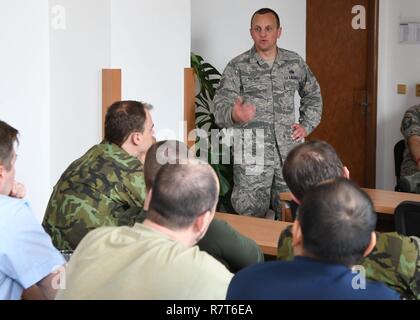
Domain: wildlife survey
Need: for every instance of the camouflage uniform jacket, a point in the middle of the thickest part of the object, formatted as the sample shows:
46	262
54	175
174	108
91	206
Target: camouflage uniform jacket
272	91
105	187
395	261
410	126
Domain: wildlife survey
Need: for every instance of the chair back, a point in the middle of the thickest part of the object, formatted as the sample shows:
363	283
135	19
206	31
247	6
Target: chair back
407	218
398	159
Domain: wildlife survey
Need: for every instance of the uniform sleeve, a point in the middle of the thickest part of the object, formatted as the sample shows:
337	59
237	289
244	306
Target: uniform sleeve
284	246
410	125
225	96
132	193
311	100
411	256
27	252
395	261
228	246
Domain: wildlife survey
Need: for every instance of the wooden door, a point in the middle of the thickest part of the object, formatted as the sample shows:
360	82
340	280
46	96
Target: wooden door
344	60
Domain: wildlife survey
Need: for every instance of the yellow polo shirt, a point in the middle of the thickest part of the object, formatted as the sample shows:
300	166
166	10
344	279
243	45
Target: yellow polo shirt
141	263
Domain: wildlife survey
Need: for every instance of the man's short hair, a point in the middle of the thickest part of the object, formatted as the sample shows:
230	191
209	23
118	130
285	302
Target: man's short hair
337	219
265	11
160	153
181	193
123	118
8	137
309	164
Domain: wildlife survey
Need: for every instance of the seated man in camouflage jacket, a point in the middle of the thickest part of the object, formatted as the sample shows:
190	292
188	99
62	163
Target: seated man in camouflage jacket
394	261
105	187
410	167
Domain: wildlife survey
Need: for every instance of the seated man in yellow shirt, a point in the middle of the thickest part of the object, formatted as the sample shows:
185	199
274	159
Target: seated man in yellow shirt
221	241
157	259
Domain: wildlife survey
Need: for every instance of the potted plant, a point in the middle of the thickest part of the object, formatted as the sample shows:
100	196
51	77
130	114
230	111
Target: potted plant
208	79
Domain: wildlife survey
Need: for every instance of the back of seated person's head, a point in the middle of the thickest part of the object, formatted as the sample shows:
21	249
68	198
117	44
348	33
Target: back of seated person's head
309	164
337	221
123	118
161	153
8	138
183	192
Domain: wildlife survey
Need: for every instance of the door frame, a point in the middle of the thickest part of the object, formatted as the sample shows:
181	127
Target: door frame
372	88
372	28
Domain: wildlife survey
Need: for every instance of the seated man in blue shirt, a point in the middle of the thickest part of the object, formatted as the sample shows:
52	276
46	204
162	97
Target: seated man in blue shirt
334	229
27	256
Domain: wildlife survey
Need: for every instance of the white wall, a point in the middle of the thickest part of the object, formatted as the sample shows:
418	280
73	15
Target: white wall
220	29
150	42
24	88
51	83
78	53
398	63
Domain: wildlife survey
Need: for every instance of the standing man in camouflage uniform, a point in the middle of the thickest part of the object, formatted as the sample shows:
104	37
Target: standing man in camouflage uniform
410	167
105	187
257	92
395	260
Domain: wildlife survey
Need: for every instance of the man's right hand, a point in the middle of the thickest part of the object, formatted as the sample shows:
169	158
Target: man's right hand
242	112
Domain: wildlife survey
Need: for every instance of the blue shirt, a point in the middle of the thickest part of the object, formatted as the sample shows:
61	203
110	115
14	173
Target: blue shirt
26	251
303	279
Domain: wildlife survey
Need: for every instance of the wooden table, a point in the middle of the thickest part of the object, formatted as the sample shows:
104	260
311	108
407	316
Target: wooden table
264	232
385	201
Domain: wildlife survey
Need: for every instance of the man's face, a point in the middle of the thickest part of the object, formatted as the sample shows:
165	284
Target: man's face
264	32
148	135
7	177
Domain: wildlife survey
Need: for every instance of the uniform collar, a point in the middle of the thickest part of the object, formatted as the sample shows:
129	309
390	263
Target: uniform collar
119	154
282	56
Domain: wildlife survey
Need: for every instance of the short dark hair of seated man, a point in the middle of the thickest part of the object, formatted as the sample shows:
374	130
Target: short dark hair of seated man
335	223
159	257
104	187
395	259
221	241
309	164
178	198
27	256
333	231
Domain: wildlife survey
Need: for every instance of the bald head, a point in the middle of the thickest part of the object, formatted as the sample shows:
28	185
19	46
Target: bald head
182	192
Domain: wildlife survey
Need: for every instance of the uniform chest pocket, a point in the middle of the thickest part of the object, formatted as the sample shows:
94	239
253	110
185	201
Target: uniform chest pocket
291	84
253	86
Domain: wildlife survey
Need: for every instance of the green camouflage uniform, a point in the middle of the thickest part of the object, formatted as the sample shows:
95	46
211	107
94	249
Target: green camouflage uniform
272	91
105	187
394	261
410	126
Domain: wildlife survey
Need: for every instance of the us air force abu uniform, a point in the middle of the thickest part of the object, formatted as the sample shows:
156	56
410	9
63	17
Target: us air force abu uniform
271	89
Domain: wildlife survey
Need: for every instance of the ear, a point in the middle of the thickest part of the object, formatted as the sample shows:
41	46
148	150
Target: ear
135	138
295	199
346	173
202	222
2	170
279	32
371	245
147	200
297	239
